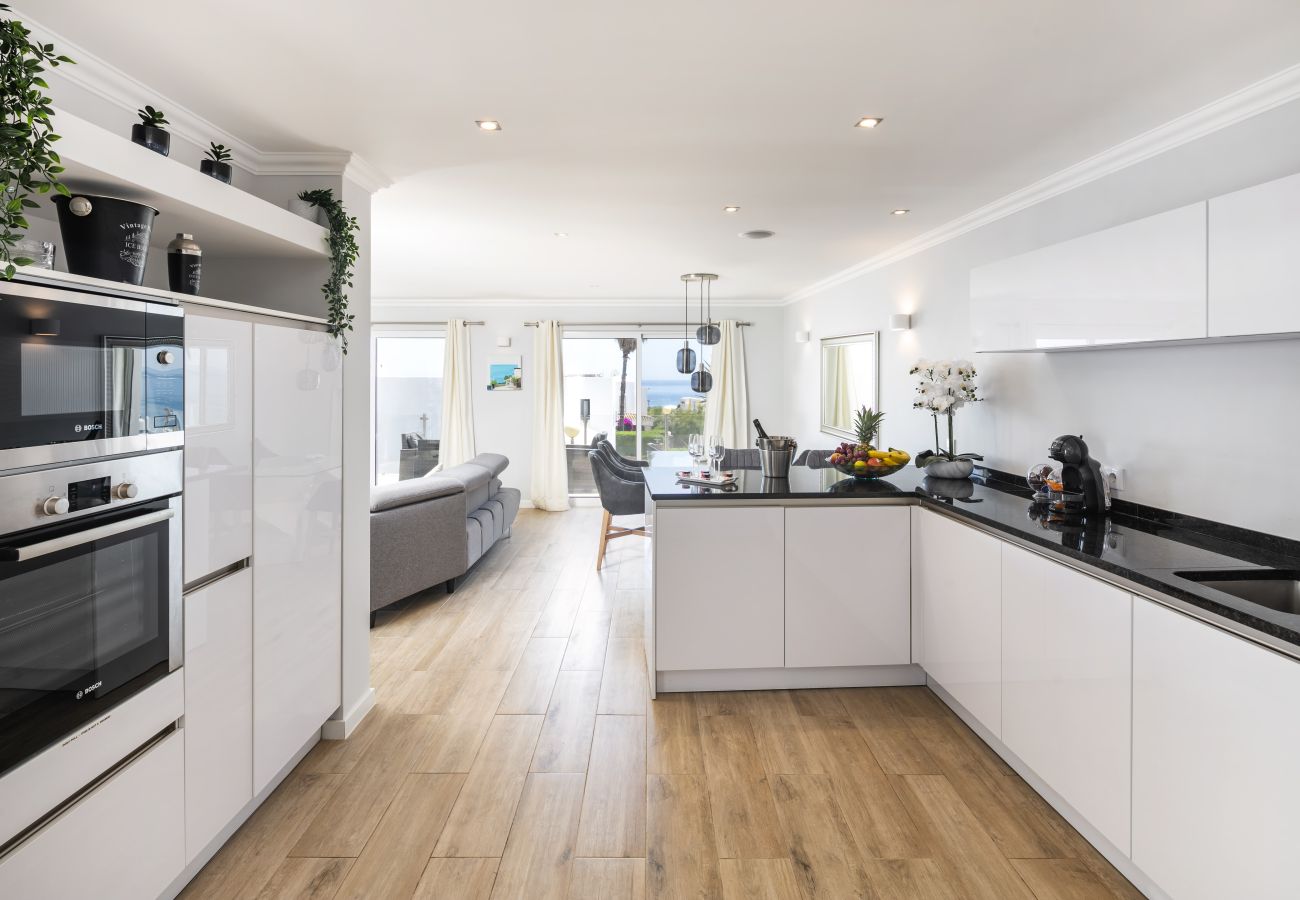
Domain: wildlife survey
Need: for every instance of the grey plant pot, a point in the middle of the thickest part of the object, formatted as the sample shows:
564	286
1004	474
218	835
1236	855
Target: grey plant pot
954	468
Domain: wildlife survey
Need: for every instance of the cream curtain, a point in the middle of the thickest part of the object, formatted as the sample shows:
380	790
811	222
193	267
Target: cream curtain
457	443
726	409
550	475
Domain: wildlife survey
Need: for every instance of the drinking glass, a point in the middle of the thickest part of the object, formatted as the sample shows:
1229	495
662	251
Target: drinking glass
716	452
693	446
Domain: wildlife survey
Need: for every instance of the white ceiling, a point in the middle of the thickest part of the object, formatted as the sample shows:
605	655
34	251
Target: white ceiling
629	126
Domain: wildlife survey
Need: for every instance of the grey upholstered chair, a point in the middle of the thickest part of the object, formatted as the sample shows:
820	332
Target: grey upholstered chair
740	459
622	493
615	456
815	459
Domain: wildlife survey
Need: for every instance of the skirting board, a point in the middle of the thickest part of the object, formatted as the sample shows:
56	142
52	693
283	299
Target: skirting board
1113	854
778	679
341	729
205	855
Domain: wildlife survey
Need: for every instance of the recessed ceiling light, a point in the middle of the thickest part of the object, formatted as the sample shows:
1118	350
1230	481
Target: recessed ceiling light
759	235
868	122
561	234
900	212
488	124
731	209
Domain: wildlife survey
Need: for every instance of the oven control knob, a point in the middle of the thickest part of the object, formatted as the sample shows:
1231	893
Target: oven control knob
126	491
55	506
166	357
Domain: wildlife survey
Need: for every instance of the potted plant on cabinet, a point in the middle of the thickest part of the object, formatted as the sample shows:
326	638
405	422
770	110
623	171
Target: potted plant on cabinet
944	388
27	157
343	249
216	163
149	131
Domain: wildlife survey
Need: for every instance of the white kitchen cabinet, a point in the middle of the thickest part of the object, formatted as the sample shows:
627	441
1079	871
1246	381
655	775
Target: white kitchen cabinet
1216	785
847	586
1067	685
960	595
719	588
297	513
1254	266
1141	281
125	840
218	706
218	443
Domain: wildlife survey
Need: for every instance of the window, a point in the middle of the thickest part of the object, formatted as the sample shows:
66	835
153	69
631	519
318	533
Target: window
408	403
625	387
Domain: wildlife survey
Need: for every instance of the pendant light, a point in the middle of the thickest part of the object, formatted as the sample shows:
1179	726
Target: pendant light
701	378
707	334
686	356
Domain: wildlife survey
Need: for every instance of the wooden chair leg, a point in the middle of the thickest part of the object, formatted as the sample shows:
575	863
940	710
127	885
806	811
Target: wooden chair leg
605	520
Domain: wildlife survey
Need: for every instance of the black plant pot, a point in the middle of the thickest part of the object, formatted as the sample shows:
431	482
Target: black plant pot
218	170
104	237
159	140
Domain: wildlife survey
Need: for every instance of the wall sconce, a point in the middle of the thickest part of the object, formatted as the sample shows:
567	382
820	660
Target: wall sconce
45	327
801	337
503	340
900	322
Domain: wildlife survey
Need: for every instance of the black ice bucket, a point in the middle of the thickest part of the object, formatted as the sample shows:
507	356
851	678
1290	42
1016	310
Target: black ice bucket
104	237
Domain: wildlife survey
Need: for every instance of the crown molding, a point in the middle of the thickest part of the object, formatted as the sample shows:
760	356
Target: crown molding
605	302
102	79
1269	93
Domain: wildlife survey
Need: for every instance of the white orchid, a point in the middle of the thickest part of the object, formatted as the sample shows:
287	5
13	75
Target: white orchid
944	387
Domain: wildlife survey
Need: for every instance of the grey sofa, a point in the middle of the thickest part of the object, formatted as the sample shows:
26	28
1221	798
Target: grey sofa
430	530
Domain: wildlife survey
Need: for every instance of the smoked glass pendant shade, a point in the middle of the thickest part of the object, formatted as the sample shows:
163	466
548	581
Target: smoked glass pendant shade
708	334
701	381
685	359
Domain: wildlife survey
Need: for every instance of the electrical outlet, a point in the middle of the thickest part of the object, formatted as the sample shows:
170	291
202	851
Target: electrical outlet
1114	476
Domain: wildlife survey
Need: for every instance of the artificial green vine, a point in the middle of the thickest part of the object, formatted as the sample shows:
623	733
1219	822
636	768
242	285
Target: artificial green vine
28	164
343	256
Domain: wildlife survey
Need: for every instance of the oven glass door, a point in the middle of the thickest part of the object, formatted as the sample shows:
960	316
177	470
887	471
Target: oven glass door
72	376
84	623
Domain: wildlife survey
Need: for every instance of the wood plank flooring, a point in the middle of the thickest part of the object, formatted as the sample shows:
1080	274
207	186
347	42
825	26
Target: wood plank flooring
514	753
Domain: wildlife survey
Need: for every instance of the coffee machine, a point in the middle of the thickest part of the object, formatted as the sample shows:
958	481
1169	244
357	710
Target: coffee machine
1080	473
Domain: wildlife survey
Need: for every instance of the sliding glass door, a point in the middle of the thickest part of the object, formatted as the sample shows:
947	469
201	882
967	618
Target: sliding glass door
624	387
407	403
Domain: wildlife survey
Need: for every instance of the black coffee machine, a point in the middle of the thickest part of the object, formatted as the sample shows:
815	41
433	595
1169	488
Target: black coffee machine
1080	473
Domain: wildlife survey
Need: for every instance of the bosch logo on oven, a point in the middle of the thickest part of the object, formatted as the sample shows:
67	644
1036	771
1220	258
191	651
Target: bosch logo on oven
94	426
85	691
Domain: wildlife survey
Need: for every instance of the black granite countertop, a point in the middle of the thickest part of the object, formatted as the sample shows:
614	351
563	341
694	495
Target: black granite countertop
1144	546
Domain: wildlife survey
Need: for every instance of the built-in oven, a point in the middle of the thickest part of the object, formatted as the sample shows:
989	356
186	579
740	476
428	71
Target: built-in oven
84	376
90	593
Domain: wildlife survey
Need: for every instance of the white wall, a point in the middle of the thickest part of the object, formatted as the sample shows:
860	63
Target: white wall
503	420
1193	426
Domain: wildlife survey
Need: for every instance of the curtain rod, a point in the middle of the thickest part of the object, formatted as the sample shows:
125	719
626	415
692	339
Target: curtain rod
625	324
443	322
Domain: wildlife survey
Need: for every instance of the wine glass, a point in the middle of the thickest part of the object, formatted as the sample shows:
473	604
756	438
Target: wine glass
693	446
716	451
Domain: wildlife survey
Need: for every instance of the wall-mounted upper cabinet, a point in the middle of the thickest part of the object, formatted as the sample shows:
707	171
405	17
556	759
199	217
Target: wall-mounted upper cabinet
1138	282
1254	263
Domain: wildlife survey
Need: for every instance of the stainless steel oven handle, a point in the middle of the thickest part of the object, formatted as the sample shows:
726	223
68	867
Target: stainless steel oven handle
44	548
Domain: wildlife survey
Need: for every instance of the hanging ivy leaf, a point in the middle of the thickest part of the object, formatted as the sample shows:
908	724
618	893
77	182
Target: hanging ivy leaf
343	248
28	164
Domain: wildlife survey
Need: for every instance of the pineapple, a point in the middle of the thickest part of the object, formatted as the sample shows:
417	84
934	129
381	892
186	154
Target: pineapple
867	425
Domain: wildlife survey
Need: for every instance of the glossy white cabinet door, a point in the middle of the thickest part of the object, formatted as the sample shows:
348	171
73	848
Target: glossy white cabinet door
1141	281
218	706
1067	685
848	586
1216	784
719	588
960	594
1254	266
218	443
123	841
297	511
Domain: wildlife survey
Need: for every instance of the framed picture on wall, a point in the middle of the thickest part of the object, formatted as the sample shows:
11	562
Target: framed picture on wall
505	373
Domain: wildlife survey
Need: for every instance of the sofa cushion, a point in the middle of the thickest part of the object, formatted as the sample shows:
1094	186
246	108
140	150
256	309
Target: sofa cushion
509	499
498	512
413	490
493	462
475	478
488	527
473	542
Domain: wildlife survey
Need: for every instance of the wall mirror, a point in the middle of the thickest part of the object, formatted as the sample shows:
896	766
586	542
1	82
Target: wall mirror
850	381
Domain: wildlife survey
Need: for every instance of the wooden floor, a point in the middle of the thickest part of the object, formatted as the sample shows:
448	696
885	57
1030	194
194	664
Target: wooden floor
513	752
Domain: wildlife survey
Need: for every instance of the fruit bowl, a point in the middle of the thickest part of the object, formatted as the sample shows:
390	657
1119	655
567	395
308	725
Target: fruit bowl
866	463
